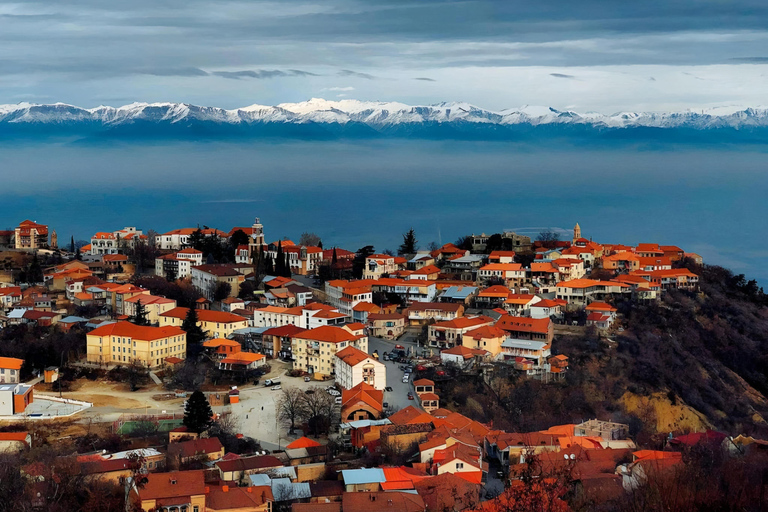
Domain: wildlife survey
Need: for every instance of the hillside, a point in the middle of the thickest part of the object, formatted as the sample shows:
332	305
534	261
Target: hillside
692	361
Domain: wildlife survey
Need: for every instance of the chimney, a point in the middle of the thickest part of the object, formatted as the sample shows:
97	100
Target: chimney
249	489
389	502
225	488
207	489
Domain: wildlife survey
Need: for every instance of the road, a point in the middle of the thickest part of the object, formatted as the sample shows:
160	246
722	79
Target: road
398	397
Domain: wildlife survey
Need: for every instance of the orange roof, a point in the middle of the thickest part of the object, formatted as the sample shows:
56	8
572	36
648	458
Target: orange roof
205	315
497	254
83	296
423	382
485	332
139	332
600	306
365	393
524	324
242	358
366	306
655	454
495	291
328	334
588	283
219	342
303	442
429	269
174	484
405	416
11	363
504	267
463	322
16	436
352	355
428	396
543	267
461	350
560	430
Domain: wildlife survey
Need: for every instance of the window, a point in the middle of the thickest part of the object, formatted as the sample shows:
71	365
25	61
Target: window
459	465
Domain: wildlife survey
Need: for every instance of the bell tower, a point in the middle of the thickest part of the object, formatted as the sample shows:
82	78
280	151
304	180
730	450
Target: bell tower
576	232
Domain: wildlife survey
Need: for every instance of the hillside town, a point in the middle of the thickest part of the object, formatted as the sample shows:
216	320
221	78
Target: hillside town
209	370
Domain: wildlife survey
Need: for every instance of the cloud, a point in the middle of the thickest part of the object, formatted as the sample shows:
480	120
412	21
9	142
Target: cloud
262	73
185	71
347	72
561	75
751	60
425	79
339	89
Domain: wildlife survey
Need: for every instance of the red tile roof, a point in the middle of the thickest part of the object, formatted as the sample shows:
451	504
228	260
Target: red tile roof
174	484
303	442
138	332
328	334
205	315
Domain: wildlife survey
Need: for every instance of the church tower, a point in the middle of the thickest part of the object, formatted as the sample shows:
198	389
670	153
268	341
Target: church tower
576	232
257	235
54	240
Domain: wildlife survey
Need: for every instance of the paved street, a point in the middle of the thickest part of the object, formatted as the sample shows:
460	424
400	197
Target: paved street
398	398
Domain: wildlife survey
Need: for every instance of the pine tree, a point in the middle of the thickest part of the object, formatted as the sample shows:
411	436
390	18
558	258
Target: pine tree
35	271
195	334
286	266
279	260
197	413
335	258
409	243
72	245
140	318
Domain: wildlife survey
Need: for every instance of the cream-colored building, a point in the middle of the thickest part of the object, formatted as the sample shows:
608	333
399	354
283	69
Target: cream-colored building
125	343
354	366
153	305
217	324
377	265
314	350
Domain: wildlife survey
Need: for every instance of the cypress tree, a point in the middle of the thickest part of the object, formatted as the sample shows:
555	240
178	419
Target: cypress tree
197	413
195	334
72	245
140	318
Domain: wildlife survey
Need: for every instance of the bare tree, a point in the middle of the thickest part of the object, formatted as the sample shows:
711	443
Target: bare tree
291	406
309	239
319	410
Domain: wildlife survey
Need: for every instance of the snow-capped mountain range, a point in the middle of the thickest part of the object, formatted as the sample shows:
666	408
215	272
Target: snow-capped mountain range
382	117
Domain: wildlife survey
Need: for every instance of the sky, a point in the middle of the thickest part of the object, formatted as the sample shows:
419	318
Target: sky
587	55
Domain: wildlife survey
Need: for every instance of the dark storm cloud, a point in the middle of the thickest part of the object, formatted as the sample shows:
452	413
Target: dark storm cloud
262	73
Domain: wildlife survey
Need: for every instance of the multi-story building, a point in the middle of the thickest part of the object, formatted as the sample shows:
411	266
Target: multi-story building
179	238
31	235
420	313
448	334
126	343
10	368
583	291
511	274
386	325
345	295
217	324
354	366
116	242
178	265
205	278
377	265
314	349
153	305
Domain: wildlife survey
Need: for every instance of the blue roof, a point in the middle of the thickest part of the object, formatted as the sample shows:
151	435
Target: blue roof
363	476
463	292
73	319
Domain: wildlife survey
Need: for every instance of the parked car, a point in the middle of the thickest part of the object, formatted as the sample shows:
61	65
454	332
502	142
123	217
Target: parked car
410	396
307	378
420	368
386	405
309	391
277	388
388	389
271	382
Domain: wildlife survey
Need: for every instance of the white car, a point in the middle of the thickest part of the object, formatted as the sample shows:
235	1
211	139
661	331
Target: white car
276	388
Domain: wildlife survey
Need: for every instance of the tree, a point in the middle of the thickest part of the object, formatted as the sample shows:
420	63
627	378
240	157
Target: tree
310	239
318	410
358	264
72	245
238	238
140	318
195	333
279	260
197	239
221	291
35	271
247	289
548	235
291	407
409	243
433	246
197	413
334	258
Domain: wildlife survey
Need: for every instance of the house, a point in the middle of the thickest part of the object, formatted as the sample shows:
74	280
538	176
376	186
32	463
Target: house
226	498
362	402
178	264
127	343
407	290
180	238
548	308
217	324
314	349
303	260
172	491
583	291
420	260
524	351
511	274
14	398
31	235
429	401
116	242
345	295
386	325
382	502
426	273
10	370
519	304
360	480
448	492
621	262
492	297
242	361
376	265
461	355
448	334
236	470
458	294
361	311
420	313
464	267
354	366
206	278
9	296
232	303
219	348
153	305
15	441
487	338
462	460
208	448
277	341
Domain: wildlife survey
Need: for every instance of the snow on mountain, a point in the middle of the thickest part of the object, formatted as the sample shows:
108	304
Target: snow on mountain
374	114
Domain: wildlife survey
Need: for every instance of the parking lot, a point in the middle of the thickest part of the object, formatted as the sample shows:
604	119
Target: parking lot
398	397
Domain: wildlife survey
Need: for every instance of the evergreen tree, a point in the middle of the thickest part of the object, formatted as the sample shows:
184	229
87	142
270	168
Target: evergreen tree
280	260
269	267
140	318
196	239
335	258
409	243
197	413
320	244
72	245
286	266
195	334
358	264
35	271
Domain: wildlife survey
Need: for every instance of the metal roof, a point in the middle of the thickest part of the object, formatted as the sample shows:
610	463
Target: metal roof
363	476
524	344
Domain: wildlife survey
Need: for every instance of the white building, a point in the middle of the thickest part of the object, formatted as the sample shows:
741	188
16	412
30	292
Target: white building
354	366
116	242
179	264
